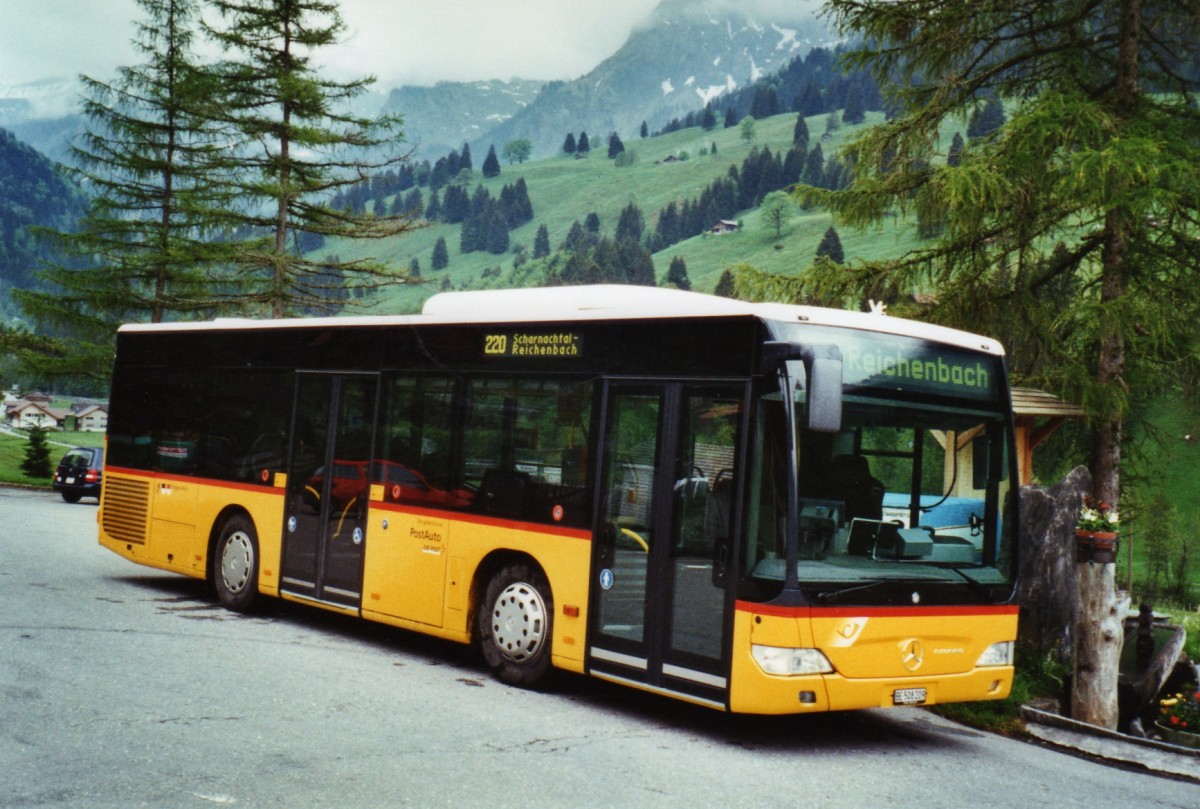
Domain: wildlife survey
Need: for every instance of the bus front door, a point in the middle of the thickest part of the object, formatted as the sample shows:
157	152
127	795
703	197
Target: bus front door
328	486
661	561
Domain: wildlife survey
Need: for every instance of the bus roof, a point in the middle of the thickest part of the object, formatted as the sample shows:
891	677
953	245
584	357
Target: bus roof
596	302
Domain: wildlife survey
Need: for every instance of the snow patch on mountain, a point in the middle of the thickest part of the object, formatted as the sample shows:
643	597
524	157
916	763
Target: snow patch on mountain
756	72
787	38
667	87
707	94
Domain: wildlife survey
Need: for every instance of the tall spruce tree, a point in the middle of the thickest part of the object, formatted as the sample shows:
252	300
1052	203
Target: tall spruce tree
677	274
441	254
541	242
491	164
147	248
630	224
1099	153
725	287
831	246
300	145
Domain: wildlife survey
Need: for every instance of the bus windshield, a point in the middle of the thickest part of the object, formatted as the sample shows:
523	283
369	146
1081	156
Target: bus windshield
913	490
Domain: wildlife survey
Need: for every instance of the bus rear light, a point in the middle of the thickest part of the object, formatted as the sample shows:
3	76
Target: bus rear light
789	661
998	654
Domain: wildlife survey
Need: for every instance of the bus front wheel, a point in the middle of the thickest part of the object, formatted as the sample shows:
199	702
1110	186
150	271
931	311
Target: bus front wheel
235	566
515	620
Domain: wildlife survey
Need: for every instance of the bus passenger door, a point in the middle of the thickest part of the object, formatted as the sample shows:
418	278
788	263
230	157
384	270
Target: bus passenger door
328	486
660	574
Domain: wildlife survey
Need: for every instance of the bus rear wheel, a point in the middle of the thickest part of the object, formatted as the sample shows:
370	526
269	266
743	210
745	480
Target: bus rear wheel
235	564
515	624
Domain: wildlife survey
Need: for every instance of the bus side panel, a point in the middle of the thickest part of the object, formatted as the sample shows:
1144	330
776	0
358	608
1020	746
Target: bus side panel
265	507
420	569
404	573
165	521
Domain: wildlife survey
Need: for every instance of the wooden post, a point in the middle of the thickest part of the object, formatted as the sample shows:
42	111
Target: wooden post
1099	635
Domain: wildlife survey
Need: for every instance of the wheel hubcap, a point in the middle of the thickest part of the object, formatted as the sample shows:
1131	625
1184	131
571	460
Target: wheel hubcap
237	558
519	622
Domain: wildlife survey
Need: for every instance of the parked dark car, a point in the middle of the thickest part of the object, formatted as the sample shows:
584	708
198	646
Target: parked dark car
78	474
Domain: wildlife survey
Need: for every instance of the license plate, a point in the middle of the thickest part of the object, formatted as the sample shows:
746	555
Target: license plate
908	696
69	481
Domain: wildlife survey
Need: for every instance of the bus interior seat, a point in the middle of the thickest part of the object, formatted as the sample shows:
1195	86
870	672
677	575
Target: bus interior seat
719	506
854	485
506	492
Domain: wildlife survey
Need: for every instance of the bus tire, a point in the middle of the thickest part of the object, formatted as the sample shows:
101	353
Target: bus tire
516	623
235	564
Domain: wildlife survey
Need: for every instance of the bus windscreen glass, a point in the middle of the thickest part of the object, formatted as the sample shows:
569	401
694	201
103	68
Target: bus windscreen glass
916	487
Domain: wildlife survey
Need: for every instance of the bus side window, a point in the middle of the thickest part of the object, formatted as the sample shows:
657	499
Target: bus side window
524	447
414	462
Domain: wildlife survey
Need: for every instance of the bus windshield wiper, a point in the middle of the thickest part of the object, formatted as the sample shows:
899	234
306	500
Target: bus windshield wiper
831	596
977	587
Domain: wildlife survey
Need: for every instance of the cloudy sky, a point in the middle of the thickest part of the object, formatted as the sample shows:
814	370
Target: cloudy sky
399	41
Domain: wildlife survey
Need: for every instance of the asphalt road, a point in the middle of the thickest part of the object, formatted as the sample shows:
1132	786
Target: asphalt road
125	687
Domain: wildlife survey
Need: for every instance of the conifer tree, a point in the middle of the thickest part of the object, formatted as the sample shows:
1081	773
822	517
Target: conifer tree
569	146
495	229
541	242
300	145
615	146
147	249
582	146
491	164
36	463
645	130
956	147
630	224
725	285
677	274
441	255
637	263
433	211
577	238
800	132
831	246
855	111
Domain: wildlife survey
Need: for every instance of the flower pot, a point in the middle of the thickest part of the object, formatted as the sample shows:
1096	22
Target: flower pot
1180	737
1096	546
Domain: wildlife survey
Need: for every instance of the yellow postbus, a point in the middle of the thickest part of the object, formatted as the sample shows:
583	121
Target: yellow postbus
754	507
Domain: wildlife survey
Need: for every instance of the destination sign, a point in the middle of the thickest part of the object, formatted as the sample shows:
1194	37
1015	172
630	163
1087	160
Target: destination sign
554	344
942	370
906	364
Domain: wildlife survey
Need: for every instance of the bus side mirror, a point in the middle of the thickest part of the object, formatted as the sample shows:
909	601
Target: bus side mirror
823	366
823	383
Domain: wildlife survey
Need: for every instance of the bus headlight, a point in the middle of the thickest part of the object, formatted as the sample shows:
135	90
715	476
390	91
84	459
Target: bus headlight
787	660
998	654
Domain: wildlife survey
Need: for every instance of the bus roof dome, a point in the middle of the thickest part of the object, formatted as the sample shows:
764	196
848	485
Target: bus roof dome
615	299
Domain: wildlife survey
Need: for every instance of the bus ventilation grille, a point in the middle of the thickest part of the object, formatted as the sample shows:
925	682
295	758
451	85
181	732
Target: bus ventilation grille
125	503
